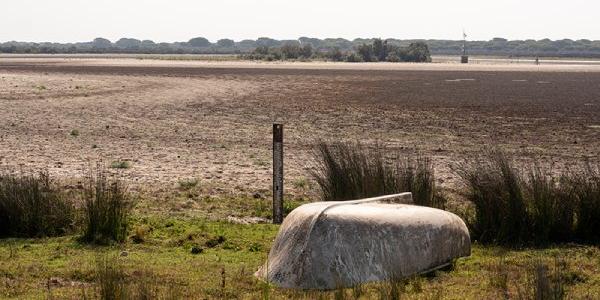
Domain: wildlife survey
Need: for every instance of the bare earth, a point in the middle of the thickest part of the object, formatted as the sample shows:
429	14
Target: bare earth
212	120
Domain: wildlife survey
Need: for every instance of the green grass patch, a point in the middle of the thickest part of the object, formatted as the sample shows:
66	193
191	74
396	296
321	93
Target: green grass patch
164	266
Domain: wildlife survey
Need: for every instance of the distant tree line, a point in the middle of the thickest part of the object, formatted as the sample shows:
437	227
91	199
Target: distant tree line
364	49
377	50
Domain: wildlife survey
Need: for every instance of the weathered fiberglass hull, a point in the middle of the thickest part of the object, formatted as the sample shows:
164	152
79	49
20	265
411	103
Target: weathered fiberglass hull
329	245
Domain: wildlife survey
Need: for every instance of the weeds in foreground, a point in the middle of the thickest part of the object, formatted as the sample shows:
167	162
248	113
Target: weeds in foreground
351	171
157	267
107	208
392	289
548	284
498	278
543	280
110	278
113	283
33	206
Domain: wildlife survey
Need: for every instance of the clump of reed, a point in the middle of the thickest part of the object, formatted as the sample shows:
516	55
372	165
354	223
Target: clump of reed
107	207
350	171
530	205
33	206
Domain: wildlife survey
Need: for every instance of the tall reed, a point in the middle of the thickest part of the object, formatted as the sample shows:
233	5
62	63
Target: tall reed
347	171
107	207
33	206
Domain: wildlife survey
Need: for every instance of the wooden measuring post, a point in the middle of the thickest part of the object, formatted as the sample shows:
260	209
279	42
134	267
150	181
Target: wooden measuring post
277	173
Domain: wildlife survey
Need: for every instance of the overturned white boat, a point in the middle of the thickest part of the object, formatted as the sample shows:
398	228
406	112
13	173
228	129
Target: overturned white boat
329	245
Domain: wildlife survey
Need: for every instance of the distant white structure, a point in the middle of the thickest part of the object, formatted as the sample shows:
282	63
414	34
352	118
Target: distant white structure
464	57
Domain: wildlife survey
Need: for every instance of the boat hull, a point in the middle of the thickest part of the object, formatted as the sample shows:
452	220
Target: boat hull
330	245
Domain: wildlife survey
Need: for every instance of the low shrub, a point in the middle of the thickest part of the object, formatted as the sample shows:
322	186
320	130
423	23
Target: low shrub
334	54
106	208
351	171
75	132
215	241
33	206
353	57
120	164
187	184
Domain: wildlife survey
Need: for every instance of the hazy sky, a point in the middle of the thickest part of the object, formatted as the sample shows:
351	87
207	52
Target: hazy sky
179	20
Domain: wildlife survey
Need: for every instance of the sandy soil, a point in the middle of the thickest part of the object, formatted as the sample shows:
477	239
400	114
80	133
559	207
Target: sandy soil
442	63
212	120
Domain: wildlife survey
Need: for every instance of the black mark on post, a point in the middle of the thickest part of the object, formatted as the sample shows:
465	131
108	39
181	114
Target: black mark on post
277	173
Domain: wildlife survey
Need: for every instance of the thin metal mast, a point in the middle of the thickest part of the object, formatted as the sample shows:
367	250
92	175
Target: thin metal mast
464	47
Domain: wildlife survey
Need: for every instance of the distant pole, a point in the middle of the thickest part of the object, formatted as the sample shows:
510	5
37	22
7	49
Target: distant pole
464	58
277	173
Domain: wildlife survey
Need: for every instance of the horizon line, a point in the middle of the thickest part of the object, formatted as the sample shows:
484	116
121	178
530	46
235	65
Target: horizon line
297	39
